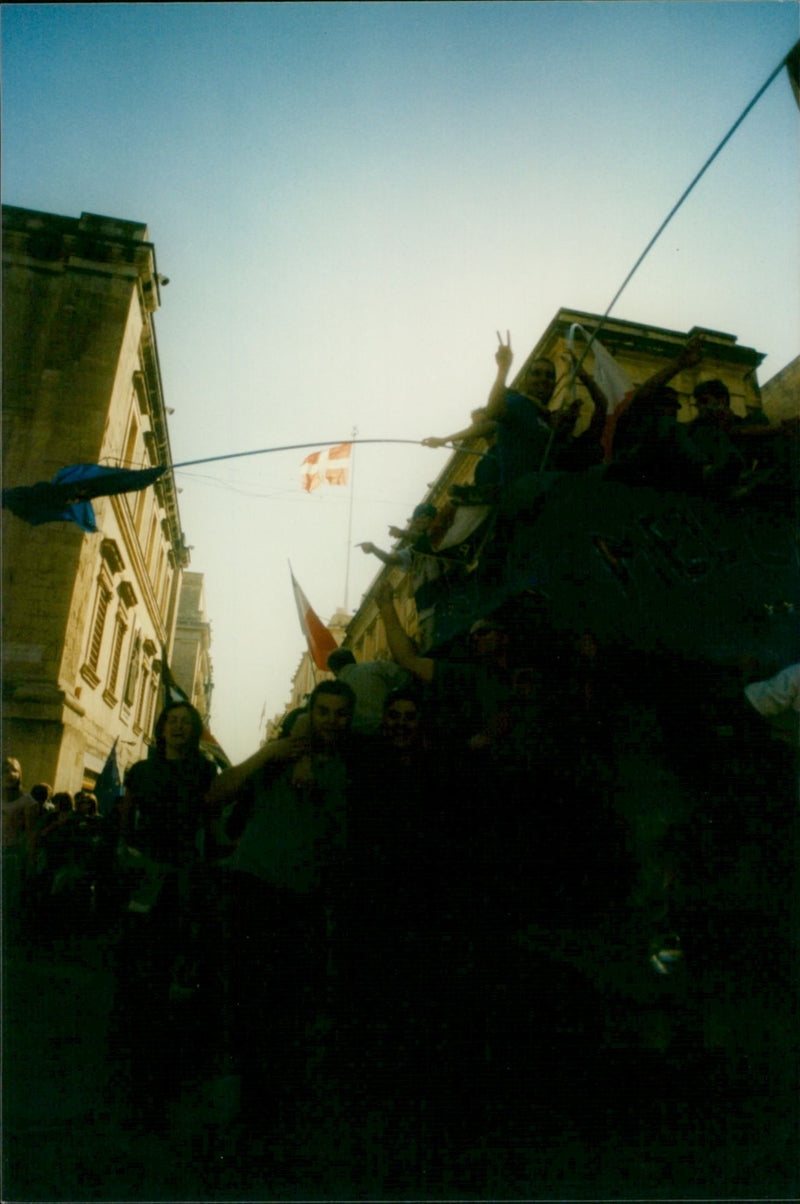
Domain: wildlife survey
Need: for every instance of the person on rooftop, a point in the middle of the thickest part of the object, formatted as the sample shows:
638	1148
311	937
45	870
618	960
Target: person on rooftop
519	420
741	453
643	438
416	556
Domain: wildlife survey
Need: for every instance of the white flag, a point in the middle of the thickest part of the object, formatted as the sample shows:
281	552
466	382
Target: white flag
612	380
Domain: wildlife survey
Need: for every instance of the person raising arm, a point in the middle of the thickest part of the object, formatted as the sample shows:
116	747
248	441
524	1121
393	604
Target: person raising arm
229	783
402	647
484	421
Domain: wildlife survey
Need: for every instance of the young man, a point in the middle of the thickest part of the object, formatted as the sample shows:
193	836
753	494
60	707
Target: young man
519	420
418	557
284	887
296	784
465	697
403	848
643	430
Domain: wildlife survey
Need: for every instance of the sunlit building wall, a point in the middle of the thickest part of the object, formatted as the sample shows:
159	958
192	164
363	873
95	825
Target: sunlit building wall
85	616
781	394
191	655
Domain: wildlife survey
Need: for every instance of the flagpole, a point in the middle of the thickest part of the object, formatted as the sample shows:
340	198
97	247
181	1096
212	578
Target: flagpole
263	451
350	519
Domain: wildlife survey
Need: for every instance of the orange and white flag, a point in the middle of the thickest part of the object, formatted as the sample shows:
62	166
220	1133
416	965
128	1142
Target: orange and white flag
326	467
319	638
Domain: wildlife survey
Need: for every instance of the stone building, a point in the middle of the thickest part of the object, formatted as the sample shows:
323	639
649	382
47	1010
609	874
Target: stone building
781	394
640	350
191	653
86	616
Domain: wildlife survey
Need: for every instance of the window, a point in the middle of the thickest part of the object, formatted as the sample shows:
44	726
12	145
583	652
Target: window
157	575
165	592
152	703
141	502
130	443
140	389
89	669
151	541
120	631
134	665
143	693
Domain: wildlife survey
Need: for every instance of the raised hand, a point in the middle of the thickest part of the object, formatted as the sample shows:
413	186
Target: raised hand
691	353
504	356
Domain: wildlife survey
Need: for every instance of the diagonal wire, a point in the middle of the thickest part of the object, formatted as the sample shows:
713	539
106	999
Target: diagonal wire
684	195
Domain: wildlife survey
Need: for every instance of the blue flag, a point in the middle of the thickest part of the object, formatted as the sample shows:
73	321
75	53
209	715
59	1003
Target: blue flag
108	787
67	497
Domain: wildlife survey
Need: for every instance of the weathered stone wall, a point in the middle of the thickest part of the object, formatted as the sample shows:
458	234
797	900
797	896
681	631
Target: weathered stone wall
81	386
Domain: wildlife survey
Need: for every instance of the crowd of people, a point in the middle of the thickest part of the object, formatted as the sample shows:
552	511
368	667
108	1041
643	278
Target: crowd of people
445	867
719	452
58	856
640	442
414	914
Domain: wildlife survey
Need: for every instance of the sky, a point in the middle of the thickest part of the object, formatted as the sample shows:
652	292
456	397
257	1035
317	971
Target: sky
349	200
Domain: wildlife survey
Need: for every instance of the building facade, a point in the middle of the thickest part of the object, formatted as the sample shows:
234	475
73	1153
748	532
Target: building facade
640	350
781	394
86	617
191	654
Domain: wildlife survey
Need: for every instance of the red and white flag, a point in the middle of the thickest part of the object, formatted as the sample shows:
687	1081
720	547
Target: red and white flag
319	639
326	467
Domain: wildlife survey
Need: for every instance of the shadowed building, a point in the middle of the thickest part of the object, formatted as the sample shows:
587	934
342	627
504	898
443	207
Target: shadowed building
85	616
640	350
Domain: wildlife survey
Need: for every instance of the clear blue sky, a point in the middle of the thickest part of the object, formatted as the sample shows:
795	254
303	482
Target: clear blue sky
349	199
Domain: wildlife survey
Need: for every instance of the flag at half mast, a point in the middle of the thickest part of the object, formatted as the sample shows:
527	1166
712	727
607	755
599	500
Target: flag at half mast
320	640
329	466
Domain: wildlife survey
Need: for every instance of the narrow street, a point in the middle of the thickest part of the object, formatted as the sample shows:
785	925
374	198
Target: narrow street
676	1127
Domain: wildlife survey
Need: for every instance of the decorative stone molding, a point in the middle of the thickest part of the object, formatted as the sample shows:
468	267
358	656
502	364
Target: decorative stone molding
127	593
140	389
109	550
88	674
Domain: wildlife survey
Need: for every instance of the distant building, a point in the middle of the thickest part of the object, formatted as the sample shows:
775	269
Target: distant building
85	617
191	653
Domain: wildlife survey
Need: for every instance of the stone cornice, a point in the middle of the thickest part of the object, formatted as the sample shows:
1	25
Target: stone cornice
622	337
93	242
